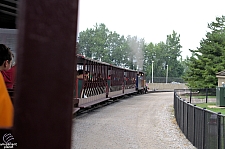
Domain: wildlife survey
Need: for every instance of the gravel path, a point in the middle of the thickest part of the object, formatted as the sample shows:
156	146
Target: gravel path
139	122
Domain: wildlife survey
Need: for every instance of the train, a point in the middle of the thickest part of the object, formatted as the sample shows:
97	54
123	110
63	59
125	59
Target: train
98	81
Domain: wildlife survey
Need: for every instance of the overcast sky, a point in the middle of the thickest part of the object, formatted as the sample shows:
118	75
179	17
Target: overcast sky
153	19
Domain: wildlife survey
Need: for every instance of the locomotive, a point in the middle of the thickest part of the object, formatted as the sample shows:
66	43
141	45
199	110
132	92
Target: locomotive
99	81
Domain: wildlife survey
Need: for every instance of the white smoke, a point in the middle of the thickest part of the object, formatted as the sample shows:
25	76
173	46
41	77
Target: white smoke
137	45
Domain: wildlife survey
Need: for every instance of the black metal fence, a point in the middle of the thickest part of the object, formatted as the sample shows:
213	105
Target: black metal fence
197	95
203	128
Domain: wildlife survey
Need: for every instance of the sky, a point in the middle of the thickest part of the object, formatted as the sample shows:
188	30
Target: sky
153	20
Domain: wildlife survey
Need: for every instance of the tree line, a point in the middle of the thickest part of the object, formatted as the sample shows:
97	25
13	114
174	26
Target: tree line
132	52
198	71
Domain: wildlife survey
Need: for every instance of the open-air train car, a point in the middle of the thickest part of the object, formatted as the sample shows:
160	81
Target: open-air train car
98	81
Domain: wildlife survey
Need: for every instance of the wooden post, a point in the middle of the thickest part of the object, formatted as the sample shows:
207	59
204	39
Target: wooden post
45	73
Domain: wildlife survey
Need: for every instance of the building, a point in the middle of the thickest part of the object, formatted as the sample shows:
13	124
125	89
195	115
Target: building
221	77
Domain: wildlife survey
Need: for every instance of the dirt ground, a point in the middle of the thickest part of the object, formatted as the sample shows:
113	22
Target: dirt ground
139	122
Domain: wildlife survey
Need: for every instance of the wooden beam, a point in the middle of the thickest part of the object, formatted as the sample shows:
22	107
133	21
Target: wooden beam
45	73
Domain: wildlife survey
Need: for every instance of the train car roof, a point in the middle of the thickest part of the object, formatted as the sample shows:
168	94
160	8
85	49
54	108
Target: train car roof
8	14
81	59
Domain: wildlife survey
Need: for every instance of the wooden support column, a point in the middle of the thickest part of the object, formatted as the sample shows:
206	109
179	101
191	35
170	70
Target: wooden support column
45	73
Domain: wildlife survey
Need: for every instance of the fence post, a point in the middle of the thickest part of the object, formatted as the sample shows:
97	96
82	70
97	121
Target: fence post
206	95
174	97
194	125
190	94
203	137
183	116
219	128
187	117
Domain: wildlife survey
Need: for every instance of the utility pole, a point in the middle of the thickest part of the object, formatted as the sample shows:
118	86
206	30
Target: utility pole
166	73
152	71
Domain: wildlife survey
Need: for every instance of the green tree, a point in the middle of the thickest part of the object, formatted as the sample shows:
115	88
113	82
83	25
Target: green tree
209	58
100	42
148	58
173	55
116	45
163	55
86	42
93	42
155	56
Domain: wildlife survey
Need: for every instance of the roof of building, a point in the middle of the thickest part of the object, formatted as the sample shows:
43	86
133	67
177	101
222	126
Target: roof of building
221	73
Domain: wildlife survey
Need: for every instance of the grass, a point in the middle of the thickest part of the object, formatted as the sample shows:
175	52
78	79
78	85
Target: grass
207	106
198	97
203	97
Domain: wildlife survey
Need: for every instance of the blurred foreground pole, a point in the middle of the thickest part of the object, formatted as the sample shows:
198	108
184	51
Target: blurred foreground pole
45	73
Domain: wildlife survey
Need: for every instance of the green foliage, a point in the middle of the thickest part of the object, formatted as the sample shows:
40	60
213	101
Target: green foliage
92	42
209	58
173	50
86	42
163	55
131	52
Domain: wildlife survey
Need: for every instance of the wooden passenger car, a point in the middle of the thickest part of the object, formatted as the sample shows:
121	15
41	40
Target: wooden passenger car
100	82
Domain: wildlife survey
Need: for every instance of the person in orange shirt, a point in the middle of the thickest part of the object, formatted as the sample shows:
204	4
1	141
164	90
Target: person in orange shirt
6	107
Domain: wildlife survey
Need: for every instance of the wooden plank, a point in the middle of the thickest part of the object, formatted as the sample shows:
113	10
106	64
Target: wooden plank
93	102
75	110
131	92
115	96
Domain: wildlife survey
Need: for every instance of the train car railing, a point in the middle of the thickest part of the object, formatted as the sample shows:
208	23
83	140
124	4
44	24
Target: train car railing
91	92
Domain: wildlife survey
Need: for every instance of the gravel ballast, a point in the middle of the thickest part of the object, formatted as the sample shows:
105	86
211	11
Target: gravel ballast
139	122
